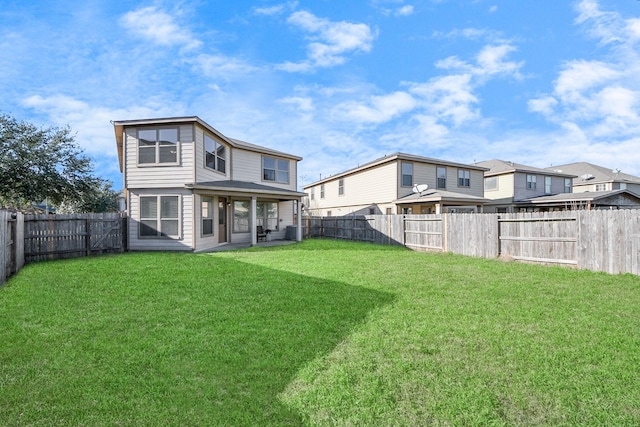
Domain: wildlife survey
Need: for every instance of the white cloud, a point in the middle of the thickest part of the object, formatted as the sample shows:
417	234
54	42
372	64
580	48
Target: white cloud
329	41
159	27
493	9
276	9
405	10
378	109
221	66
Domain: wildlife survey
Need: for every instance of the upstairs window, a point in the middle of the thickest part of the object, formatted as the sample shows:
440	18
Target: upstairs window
567	185
341	187
464	178
441	177
407	174
491	183
158	146
601	187
531	182
322	191
214	154
313	193
276	170
547	185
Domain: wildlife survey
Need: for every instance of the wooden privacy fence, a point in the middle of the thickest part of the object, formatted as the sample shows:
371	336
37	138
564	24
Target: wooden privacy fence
30	238
599	240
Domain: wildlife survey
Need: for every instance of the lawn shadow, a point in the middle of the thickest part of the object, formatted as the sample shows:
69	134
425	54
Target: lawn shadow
269	326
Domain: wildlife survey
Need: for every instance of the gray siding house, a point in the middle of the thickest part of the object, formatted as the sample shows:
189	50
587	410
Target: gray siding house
514	187
188	187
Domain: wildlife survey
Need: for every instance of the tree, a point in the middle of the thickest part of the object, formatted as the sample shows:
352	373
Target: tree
38	164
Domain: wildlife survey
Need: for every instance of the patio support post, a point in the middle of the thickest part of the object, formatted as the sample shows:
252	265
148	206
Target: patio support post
299	222
252	221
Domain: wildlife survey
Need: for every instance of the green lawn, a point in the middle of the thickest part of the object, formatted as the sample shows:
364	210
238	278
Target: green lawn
319	333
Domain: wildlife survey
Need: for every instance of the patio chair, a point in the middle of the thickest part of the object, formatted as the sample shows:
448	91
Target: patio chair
261	234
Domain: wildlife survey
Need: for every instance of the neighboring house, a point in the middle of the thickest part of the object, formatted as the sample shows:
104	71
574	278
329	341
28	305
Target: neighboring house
592	177
189	187
386	186
513	187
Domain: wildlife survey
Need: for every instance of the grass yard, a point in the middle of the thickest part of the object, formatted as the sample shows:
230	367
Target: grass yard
322	333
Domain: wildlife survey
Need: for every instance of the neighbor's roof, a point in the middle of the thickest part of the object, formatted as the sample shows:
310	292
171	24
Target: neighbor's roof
597	173
439	196
245	187
119	126
500	167
394	157
588	196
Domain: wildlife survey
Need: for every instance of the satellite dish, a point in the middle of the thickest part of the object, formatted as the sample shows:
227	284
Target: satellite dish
419	188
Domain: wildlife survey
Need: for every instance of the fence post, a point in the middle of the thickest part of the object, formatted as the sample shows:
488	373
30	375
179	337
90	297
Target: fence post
4	225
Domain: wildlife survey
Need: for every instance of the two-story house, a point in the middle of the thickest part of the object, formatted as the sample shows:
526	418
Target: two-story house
396	184
514	187
189	187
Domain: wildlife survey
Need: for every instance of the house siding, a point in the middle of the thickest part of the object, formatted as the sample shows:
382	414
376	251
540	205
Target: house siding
361	191
183	243
505	188
159	176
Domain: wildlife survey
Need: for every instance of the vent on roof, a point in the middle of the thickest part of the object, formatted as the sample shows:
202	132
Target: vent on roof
587	176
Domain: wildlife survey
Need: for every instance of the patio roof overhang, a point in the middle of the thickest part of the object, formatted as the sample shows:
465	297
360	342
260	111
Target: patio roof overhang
245	188
442	197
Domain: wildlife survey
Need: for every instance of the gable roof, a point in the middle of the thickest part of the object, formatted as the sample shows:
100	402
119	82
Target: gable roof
501	167
120	125
598	174
392	158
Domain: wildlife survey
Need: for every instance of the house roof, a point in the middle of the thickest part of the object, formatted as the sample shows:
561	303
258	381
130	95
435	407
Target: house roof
588	173
589	196
119	126
391	158
246	187
501	167
439	196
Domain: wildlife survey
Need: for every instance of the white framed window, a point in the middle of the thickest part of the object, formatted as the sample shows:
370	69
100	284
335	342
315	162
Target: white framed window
267	215
206	209
241	216
441	177
567	185
464	178
547	185
313	193
601	187
322	191
214	154
341	187
158	146
407	174
491	183
531	182
276	170
159	216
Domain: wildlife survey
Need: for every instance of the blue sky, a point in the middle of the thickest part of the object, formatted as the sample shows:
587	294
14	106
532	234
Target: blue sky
339	83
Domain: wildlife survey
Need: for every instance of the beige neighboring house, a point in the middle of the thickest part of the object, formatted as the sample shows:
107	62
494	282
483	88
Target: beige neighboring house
188	187
514	187
387	186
